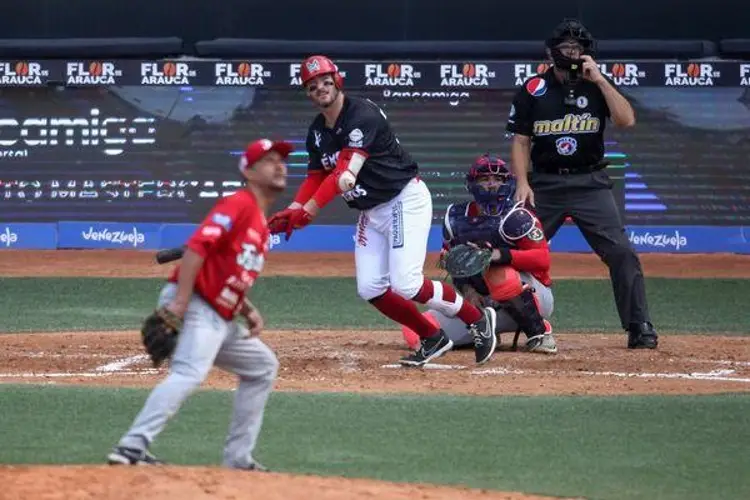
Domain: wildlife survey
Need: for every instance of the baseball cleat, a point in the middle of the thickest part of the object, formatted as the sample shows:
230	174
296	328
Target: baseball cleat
544	344
485	340
642	336
257	467
132	456
431	348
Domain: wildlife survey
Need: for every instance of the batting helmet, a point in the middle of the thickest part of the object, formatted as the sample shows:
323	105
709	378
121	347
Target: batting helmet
315	66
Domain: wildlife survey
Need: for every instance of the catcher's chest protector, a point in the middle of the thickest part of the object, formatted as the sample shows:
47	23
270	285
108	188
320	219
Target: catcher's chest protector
475	229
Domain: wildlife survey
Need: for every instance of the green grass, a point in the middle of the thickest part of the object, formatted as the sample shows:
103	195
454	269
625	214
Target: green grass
600	448
66	304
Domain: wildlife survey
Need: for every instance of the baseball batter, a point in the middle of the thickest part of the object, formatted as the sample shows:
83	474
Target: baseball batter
517	283
207	289
354	153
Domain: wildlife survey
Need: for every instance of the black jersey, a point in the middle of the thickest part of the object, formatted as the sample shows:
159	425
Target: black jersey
362	125
564	134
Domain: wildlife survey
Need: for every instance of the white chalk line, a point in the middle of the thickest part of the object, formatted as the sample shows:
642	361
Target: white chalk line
146	371
120	365
114	368
714	375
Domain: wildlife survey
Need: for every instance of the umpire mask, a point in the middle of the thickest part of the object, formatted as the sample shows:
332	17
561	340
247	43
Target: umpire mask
570	40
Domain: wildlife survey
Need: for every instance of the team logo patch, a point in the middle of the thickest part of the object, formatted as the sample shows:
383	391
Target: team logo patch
536	87
566	146
223	220
582	102
536	234
355	138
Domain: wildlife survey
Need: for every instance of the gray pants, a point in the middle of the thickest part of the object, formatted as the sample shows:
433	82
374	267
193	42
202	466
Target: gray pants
589	200
459	334
207	339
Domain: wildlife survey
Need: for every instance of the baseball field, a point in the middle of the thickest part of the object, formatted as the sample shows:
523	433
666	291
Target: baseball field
596	421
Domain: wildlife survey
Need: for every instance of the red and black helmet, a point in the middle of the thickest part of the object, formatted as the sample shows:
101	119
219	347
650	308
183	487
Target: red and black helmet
494	200
315	66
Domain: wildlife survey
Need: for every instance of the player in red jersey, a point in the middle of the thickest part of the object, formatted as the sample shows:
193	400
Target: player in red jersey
517	283
208	290
354	152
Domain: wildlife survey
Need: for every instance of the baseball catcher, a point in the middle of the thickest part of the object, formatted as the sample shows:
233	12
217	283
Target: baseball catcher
495	253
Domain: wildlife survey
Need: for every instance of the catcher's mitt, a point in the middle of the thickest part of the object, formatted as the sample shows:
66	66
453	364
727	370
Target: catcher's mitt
159	334
464	261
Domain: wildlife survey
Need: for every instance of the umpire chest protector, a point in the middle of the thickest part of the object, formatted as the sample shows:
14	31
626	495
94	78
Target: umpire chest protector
566	123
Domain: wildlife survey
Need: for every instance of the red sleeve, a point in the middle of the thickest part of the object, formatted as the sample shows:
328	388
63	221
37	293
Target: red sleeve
532	254
215	227
329	188
311	184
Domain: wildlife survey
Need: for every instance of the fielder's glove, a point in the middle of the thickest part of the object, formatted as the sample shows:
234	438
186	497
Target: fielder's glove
464	261
159	334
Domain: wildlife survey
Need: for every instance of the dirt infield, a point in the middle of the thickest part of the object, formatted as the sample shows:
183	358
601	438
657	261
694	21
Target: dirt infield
134	263
352	361
200	483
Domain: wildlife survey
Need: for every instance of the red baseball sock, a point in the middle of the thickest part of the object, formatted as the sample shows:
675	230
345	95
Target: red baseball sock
404	312
447	300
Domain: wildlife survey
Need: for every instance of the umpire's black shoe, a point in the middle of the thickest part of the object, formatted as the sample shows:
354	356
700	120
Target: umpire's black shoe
485	340
431	348
642	336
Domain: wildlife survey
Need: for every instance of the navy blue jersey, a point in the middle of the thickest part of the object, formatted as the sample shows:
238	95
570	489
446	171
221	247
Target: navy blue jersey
362	125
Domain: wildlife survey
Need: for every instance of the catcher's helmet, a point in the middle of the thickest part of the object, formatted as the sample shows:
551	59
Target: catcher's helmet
493	200
315	66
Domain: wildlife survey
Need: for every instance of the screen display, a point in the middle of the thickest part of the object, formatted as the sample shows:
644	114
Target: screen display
165	154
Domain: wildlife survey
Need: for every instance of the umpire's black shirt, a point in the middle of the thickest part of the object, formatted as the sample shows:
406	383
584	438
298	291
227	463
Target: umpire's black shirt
569	136
362	125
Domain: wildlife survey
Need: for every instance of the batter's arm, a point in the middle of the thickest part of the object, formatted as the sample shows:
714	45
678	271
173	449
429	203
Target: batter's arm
316	174
341	179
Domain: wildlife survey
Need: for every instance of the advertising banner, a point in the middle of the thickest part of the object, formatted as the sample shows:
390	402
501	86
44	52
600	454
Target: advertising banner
469	74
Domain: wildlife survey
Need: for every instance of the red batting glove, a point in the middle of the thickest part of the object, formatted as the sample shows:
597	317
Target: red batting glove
298	218
279	221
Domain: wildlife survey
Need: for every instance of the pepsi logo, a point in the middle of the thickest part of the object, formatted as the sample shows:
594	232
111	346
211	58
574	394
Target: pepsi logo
536	87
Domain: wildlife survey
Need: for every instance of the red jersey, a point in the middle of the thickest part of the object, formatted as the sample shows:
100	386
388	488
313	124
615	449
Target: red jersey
233	240
529	254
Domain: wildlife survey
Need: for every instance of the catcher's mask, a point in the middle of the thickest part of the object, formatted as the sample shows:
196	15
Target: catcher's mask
570	40
491	184
315	66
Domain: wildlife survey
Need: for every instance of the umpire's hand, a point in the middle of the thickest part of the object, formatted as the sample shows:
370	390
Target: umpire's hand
524	193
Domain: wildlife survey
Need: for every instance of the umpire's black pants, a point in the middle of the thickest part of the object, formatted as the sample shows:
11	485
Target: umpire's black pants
588	199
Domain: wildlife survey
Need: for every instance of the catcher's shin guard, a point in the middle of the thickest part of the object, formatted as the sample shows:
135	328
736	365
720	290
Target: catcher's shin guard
524	311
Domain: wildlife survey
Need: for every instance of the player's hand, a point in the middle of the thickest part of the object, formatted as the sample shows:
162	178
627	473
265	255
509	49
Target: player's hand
298	218
524	194
254	322
252	316
279	221
591	70
177	308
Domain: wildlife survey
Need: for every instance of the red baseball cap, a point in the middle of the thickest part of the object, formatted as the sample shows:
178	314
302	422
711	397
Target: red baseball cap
260	148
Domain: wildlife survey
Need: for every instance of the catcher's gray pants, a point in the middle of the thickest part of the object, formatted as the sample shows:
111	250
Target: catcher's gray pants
459	334
207	339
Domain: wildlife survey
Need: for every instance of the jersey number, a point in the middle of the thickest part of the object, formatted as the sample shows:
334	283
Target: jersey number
383	114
